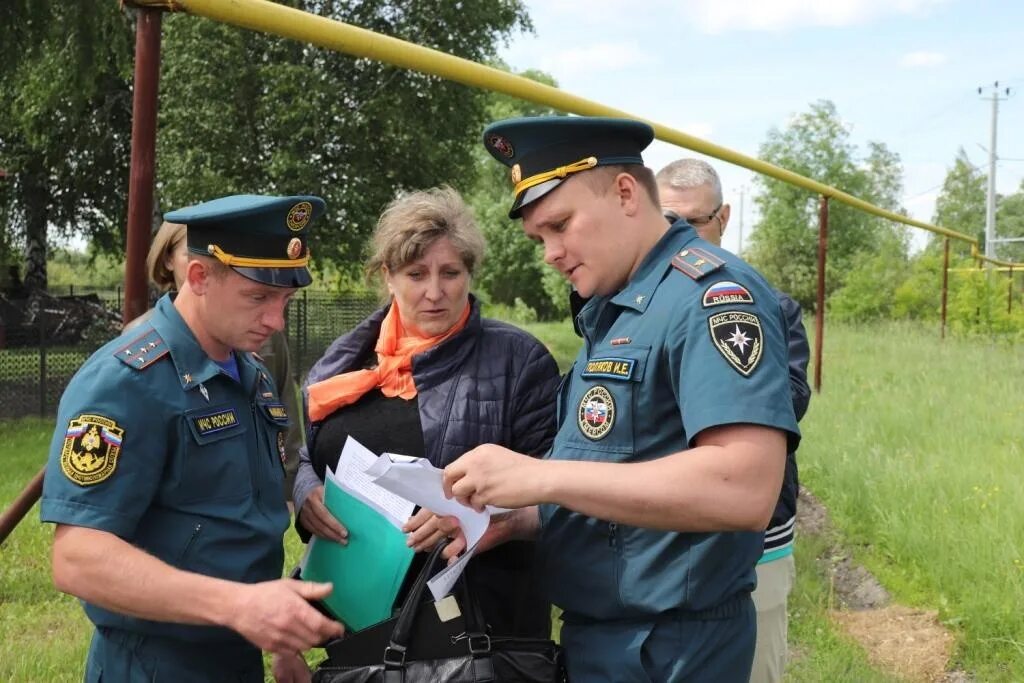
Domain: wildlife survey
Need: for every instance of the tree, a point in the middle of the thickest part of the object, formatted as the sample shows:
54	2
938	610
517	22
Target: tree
514	268
960	205
1010	223
245	112
784	241
240	112
65	121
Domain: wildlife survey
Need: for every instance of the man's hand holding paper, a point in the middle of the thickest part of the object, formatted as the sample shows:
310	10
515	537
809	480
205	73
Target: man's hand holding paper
494	475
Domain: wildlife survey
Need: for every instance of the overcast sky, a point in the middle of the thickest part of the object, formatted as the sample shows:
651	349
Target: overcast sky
902	72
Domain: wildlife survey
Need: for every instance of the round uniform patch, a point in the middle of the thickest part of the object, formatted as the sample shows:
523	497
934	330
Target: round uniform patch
280	447
91	446
596	414
299	215
294	248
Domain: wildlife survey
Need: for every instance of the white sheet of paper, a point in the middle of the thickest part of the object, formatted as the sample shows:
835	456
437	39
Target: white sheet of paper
419	481
351	475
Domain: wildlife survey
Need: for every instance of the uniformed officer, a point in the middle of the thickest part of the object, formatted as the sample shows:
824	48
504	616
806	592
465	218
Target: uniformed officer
692	189
673	422
165	476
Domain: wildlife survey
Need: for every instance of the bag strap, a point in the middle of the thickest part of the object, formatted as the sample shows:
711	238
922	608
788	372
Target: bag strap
479	641
476	632
394	653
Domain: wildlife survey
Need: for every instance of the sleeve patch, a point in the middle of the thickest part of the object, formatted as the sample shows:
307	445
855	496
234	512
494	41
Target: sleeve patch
92	444
726	292
696	262
737	336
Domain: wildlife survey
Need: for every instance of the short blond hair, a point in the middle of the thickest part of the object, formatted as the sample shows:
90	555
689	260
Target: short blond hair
413	222
166	240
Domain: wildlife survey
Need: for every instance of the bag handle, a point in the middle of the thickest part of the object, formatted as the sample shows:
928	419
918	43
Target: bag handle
479	641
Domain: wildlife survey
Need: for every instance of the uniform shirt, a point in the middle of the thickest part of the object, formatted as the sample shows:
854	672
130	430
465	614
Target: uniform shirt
694	340
158	445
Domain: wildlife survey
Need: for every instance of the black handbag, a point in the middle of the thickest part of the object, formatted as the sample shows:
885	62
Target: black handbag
415	646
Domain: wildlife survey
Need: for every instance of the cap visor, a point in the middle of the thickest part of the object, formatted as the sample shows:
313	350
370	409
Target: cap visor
531	195
277	277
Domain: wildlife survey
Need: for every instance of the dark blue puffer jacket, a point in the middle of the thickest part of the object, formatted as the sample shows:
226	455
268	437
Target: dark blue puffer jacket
490	383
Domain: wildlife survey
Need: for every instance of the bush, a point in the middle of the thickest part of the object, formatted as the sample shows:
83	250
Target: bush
519	313
977	305
869	289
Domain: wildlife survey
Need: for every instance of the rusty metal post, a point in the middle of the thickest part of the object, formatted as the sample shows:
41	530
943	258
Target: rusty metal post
140	185
21	505
945	285
819	313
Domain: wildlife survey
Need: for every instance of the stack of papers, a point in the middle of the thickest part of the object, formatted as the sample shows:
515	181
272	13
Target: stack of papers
417	480
374	496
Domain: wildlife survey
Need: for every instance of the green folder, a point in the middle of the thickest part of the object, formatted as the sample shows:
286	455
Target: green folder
368	572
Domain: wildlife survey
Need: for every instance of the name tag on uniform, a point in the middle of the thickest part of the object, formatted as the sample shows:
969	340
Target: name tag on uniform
277	411
212	422
609	368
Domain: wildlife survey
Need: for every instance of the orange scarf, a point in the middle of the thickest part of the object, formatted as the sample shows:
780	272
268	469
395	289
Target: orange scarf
393	374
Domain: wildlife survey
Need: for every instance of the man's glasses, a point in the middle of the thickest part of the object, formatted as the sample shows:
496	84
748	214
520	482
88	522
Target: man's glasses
701	221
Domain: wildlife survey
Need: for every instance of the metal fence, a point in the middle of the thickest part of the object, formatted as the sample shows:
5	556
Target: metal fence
37	361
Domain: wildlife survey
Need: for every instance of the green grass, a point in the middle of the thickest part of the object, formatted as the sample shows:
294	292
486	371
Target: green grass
913	445
44	634
560	339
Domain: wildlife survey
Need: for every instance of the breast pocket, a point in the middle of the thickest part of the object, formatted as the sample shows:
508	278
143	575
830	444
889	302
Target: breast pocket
603	401
216	462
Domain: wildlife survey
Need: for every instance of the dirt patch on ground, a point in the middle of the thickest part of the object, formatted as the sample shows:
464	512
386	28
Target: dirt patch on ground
909	643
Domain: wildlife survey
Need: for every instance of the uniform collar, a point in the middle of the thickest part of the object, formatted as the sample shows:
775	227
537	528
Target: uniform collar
638	291
192	364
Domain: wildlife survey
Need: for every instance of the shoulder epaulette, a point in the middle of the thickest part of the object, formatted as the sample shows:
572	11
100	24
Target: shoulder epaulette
143	350
695	262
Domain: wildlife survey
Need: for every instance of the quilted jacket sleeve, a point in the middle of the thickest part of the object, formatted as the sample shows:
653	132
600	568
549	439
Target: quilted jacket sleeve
533	401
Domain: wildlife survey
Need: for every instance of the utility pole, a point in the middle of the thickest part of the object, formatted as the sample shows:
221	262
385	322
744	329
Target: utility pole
990	210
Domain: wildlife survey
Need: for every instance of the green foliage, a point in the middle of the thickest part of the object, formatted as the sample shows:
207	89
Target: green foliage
92	270
246	112
784	243
518	313
514	268
960	205
65	123
977	305
870	287
919	295
1010	223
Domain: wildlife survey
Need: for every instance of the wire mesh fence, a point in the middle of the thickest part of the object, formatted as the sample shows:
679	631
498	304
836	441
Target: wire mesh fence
45	339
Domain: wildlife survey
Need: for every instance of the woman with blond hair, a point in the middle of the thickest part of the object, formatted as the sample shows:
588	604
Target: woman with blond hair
427	376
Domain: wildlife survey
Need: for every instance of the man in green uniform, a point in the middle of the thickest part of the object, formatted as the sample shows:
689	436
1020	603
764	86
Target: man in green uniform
165	477
673	422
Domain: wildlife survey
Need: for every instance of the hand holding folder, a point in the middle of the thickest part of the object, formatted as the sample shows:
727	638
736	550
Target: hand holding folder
368	572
